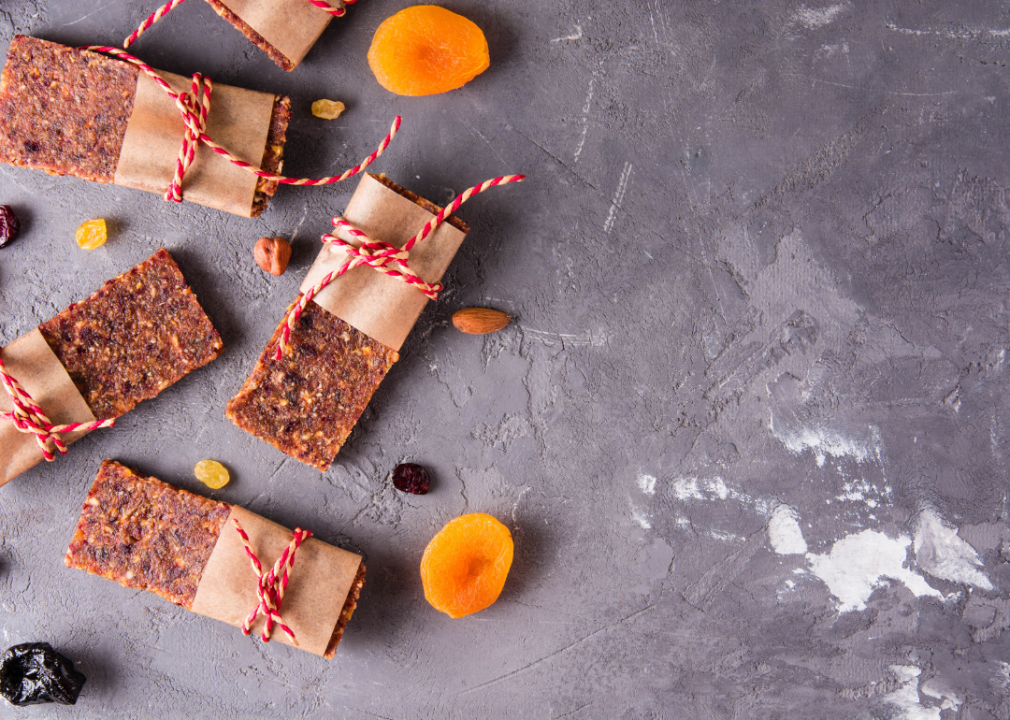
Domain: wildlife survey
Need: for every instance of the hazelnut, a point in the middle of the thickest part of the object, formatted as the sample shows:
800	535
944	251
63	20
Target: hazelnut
272	254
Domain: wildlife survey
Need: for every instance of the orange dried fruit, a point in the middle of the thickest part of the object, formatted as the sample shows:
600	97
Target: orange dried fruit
426	50
464	567
91	234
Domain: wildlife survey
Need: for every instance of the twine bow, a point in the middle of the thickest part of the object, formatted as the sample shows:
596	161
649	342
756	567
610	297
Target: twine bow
270	587
337	9
29	418
382	256
194	107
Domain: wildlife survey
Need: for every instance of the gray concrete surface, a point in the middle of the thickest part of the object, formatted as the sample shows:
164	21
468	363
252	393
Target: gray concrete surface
748	428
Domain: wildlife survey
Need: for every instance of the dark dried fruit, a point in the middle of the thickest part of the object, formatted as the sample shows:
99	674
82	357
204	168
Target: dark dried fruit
411	478
34	673
9	225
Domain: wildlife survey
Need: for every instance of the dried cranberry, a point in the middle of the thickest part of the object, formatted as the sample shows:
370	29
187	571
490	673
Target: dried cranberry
411	478
9	225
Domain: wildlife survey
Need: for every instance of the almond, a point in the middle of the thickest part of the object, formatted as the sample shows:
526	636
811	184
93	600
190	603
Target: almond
479	321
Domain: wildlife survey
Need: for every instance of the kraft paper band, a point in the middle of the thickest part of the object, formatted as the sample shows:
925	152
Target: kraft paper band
239	120
380	306
291	26
31	361
320	582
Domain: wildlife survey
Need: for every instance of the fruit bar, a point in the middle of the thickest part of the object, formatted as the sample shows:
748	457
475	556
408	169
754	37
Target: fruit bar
284	29
306	403
138	334
148	535
66	111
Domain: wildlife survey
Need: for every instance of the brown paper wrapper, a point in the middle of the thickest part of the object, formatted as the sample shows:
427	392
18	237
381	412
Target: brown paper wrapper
318	586
291	26
31	362
239	121
378	305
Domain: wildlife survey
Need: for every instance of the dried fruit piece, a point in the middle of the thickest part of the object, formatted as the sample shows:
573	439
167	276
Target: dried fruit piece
34	673
91	234
411	478
464	567
479	321
9	225
425	50
212	474
272	254
327	109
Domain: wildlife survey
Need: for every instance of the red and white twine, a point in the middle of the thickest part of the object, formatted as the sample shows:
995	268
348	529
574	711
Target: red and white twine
382	256
29	418
194	107
270	587
337	9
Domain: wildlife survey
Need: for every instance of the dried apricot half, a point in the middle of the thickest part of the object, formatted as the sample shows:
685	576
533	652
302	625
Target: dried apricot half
425	50
464	567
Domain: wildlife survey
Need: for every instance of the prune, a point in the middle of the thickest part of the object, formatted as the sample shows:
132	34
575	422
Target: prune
9	225
411	478
34	673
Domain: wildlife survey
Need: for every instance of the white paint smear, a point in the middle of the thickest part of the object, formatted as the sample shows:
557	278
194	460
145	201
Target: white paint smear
938	689
813	18
641	518
692	488
784	533
860	563
647	484
906	698
824	441
940	552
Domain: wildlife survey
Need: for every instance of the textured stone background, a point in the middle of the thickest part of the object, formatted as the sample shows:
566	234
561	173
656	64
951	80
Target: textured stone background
748	428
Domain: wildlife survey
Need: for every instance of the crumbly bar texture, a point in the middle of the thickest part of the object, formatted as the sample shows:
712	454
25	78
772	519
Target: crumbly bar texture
350	605
307	403
145	534
273	155
254	37
65	111
139	333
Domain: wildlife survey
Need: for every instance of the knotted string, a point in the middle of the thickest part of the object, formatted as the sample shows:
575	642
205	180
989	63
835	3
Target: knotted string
194	107
29	418
270	587
337	9
382	256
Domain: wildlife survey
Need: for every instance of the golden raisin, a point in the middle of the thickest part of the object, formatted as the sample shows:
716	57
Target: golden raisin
425	50
327	109
91	234
212	474
464	567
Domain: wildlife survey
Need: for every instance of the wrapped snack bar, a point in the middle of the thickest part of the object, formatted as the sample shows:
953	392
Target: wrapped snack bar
71	111
284	29
357	305
217	560
139	333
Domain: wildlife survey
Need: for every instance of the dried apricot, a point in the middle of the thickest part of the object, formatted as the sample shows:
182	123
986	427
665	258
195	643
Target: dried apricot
464	567
91	234
425	50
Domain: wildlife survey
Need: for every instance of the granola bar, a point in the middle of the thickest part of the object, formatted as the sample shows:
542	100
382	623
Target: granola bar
65	110
146	534
139	333
307	403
